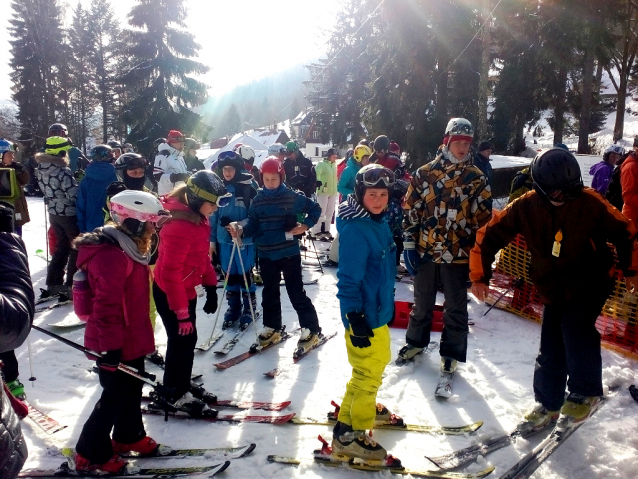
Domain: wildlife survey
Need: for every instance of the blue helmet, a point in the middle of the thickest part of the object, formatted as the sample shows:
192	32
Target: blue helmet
5	145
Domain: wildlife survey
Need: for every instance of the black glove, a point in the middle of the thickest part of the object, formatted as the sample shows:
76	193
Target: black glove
110	360
211	299
225	221
290	222
6	217
175	177
360	330
318	184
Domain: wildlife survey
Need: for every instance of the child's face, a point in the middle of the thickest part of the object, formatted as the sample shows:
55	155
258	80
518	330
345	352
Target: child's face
459	149
207	209
271	181
228	172
136	172
375	200
365	160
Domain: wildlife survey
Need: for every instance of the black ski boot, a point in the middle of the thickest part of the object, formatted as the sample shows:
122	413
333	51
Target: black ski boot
234	309
199	392
246	317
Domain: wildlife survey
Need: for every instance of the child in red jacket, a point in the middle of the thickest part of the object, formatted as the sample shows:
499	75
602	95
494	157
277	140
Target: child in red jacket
182	265
115	258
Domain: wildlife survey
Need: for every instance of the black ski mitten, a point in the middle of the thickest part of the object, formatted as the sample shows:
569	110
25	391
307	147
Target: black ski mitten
360	331
211	299
175	177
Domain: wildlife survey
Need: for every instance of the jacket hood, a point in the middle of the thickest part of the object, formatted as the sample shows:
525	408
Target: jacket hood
100	170
351	209
88	244
599	166
180	211
354	163
55	160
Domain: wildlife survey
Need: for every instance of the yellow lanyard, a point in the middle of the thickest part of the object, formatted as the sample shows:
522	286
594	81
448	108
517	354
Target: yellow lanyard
558	238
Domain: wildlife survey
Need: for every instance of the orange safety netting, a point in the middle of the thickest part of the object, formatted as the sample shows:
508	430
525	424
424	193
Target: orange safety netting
617	320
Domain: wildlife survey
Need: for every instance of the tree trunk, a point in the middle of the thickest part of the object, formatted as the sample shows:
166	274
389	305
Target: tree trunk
561	104
621	103
585	111
483	87
442	86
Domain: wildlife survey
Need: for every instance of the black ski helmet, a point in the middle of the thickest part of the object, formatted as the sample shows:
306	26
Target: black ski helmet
555	169
381	143
131	161
372	176
58	129
204	186
230	158
191	144
114	144
102	153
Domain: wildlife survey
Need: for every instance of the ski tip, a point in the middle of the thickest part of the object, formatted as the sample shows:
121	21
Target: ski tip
248	450
222	467
476	426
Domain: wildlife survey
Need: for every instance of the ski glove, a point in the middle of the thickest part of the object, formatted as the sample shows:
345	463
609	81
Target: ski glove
411	256
110	360
211	299
360	332
175	177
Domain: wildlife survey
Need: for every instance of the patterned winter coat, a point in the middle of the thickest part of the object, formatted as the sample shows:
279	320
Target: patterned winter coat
168	161
447	202
58	184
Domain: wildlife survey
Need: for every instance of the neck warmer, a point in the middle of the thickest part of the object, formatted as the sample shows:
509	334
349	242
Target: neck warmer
127	244
134	183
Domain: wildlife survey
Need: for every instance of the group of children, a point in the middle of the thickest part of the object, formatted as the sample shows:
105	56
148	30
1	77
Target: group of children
450	235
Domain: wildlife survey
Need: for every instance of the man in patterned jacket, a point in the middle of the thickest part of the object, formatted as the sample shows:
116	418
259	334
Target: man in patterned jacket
448	200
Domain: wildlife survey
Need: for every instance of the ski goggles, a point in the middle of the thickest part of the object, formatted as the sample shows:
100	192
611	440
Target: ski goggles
134	163
120	213
380	177
227	155
221	201
564	194
619	150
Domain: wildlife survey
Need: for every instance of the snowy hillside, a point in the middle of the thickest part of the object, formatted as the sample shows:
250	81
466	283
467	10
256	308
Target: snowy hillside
494	386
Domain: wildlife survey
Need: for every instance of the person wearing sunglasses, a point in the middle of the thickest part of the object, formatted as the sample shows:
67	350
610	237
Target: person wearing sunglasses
447	201
182	265
366	297
567	229
601	172
115	259
170	169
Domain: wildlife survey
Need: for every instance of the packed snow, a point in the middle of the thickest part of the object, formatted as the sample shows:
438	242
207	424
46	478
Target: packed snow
494	386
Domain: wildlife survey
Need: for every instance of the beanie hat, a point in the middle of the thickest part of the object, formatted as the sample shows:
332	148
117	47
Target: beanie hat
485	145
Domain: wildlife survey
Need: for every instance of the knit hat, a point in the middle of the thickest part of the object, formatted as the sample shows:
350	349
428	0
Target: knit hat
485	145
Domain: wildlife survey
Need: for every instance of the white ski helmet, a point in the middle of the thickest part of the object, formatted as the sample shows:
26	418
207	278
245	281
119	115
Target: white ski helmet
138	206
246	152
458	129
275	149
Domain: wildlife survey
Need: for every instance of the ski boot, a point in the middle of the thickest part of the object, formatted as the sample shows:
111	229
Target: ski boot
384	416
537	418
348	443
46	295
257	278
408	353
327	237
200	393
146	446
307	341
246	317
448	365
194	407
115	465
267	336
576	409
17	389
156	358
234	309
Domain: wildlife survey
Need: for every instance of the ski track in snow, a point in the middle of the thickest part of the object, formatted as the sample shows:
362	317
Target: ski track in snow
494	386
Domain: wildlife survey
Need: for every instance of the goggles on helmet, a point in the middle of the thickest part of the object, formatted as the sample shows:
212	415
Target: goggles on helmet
121	212
227	155
619	150
564	194
220	201
134	163
378	177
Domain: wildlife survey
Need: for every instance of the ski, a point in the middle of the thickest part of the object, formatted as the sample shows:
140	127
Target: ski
373	468
145	473
53	306
252	352
210	342
222	417
427	350
532	460
444	386
46	299
46	423
424	428
230	344
464	456
211	453
264	406
277	371
305	282
69	322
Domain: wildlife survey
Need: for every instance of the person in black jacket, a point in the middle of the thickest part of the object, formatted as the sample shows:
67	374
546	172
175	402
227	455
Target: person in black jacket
16	315
300	172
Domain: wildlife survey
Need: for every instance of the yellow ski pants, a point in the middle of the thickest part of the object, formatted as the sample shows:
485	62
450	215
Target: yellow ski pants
358	408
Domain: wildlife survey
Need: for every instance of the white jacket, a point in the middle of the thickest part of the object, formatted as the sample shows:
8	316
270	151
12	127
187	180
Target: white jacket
168	161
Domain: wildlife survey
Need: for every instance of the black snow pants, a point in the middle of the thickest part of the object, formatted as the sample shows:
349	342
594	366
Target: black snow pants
66	230
10	370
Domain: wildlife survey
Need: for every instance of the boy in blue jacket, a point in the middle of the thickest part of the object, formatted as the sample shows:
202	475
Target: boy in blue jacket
240	185
366	295
272	222
92	192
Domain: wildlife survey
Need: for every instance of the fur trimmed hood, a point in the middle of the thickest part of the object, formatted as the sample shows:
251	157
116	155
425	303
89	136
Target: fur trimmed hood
60	161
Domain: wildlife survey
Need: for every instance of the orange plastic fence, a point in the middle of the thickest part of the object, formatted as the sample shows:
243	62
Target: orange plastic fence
616	323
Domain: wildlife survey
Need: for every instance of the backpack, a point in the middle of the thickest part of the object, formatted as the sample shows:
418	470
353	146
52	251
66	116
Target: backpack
83	295
614	190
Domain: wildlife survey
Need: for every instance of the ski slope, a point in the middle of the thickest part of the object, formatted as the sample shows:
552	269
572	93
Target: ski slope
495	386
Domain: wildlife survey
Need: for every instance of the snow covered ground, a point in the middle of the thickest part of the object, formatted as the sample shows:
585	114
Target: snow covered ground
494	386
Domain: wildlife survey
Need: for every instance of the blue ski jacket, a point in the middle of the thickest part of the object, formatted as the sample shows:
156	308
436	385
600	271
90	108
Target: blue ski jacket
346	182
92	195
235	211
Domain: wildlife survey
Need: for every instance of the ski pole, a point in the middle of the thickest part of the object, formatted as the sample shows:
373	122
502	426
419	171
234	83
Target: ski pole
250	303
517	282
317	254
219	306
148	378
32	378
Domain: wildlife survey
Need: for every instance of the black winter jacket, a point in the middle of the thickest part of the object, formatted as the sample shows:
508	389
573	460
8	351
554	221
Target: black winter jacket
16	315
300	174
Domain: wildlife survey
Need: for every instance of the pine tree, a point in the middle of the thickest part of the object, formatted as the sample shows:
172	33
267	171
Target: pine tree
161	90
232	121
37	51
